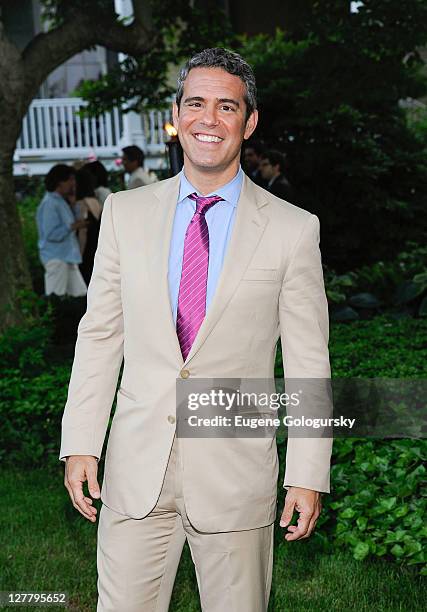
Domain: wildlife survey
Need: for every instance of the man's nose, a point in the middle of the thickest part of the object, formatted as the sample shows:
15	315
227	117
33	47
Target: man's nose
210	115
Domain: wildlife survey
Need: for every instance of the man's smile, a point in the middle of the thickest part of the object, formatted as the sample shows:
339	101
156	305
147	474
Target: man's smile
207	137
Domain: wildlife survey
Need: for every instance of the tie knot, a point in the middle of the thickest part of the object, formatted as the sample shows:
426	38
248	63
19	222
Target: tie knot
204	203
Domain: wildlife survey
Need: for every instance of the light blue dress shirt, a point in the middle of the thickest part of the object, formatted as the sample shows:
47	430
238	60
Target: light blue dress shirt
56	238
220	221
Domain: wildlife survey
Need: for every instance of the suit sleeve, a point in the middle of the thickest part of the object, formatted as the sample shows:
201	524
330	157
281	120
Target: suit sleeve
304	331
98	351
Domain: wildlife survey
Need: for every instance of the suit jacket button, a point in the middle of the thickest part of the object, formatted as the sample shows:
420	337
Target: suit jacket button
171	419
185	373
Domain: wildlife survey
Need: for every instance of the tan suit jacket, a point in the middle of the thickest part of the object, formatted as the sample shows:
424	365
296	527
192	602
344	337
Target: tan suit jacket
271	286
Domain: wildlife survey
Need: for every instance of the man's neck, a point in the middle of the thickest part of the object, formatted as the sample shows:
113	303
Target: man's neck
206	180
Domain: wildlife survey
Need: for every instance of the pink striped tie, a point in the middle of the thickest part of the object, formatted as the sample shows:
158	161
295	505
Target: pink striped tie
194	275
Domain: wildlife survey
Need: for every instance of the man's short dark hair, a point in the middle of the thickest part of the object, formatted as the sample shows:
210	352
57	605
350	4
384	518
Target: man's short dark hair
256	145
231	62
275	158
134	153
57	174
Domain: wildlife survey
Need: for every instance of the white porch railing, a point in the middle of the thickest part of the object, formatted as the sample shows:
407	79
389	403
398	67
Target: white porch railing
53	130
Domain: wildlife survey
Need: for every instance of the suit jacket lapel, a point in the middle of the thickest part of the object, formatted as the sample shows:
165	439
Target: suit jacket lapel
159	237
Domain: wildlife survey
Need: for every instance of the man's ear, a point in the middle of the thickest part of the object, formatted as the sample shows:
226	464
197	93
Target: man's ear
251	124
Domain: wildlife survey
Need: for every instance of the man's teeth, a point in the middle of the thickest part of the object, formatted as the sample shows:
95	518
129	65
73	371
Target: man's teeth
206	138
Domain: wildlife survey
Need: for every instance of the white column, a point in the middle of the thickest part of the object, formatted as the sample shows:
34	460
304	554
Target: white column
133	129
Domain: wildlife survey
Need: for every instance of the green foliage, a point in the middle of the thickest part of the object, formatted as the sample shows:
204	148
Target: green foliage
25	346
31	410
378	496
34	382
329	91
384	347
379	499
338	286
417	120
27	206
27	388
384	277
144	82
131	85
398	285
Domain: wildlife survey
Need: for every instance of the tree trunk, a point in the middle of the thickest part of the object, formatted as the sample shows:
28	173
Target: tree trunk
14	271
21	74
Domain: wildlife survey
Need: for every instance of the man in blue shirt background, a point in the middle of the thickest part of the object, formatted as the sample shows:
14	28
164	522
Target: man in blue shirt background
59	249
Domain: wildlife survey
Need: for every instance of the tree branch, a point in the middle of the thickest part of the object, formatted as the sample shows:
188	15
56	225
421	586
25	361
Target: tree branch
143	14
7	47
49	50
11	71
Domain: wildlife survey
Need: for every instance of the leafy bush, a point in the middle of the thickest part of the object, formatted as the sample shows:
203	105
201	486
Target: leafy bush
25	346
34	383
398	285
31	196
31	411
379	499
384	347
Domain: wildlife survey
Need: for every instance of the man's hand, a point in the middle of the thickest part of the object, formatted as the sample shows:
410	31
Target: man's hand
78	469
79	224
308	504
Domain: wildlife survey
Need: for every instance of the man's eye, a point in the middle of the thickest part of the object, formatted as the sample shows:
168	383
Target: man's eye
194	104
227	108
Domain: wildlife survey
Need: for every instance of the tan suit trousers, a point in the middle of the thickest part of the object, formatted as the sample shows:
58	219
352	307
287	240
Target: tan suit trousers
138	559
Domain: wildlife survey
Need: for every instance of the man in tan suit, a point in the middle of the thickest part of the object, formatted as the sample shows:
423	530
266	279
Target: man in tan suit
258	277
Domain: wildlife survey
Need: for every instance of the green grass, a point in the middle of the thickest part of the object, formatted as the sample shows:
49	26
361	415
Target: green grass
45	544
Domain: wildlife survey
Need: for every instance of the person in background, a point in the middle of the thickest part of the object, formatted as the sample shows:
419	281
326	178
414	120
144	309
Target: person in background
100	175
58	245
272	169
133	162
89	208
252	152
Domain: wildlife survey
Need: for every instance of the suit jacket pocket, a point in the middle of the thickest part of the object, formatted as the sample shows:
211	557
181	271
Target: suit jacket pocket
261	274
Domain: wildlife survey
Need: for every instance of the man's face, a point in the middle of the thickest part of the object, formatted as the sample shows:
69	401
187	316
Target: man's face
211	121
251	159
267	170
68	187
129	165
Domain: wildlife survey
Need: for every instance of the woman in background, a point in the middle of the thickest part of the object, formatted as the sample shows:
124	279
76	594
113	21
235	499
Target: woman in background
89	208
100	176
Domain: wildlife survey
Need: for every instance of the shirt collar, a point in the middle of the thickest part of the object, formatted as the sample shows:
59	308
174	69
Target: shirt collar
56	195
230	192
